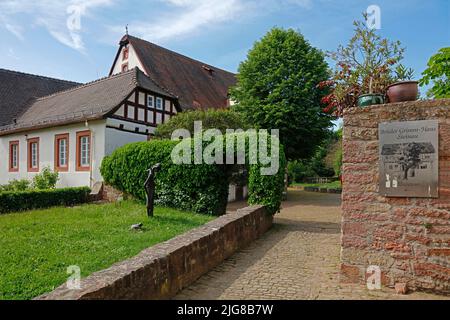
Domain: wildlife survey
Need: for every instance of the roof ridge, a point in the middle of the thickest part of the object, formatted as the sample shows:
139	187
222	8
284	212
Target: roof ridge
88	84
182	55
37	76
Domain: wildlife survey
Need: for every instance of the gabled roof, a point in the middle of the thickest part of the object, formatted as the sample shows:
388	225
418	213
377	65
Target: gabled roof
17	89
196	84
90	101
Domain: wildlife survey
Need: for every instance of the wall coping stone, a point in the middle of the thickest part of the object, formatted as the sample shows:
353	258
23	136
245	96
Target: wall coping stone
399	106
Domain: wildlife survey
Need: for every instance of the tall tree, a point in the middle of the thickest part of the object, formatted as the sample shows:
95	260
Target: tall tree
277	89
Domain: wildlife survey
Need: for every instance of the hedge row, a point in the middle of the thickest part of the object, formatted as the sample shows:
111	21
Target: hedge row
197	188
36	199
201	188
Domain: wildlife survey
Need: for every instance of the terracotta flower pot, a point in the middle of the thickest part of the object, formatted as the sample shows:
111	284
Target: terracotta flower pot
403	91
370	99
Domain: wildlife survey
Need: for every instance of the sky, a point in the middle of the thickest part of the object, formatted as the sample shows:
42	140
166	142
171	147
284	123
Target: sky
78	39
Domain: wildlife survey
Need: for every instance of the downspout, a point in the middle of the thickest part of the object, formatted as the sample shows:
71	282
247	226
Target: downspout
91	153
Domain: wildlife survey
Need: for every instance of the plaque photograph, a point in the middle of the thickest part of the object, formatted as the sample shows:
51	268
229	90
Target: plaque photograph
409	159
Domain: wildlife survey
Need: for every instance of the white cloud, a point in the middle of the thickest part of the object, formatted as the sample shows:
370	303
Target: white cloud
15	15
189	16
63	18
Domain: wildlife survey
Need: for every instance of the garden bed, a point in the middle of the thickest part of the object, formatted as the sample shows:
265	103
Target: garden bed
38	246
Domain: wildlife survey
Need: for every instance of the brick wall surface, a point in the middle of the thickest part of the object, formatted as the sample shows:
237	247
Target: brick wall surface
408	238
163	270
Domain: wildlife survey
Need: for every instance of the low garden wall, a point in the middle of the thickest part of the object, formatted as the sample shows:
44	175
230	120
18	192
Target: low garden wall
408	238
163	270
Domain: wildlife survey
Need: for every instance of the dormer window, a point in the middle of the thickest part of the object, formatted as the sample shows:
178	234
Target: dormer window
209	70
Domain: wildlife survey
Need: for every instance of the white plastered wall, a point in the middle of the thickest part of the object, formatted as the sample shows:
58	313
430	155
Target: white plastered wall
133	61
72	178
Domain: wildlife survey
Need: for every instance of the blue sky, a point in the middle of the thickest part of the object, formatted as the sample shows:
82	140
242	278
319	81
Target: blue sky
36	38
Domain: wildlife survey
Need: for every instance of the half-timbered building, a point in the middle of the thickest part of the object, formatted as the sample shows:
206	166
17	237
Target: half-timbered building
71	127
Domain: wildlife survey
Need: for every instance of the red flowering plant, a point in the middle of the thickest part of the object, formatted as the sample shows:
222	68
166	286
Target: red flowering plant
365	65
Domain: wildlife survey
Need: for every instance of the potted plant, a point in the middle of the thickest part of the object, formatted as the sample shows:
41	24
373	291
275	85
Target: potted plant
363	71
370	98
403	89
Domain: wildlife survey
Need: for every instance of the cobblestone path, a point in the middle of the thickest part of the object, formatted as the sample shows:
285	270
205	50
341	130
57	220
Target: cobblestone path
297	259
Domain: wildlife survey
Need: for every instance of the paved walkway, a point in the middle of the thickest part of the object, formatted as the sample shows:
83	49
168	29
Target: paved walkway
297	259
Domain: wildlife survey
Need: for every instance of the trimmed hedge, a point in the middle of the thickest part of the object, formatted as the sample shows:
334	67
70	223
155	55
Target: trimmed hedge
201	188
198	188
35	199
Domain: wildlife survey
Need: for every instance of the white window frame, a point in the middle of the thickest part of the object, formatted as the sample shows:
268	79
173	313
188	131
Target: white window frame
14	156
85	152
34	155
62	158
152	100
159	103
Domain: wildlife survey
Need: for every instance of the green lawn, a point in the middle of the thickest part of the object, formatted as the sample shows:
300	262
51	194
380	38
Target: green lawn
36	247
331	185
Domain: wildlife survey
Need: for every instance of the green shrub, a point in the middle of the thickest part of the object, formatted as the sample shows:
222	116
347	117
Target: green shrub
16	185
45	180
201	188
338	162
267	190
35	199
298	171
211	119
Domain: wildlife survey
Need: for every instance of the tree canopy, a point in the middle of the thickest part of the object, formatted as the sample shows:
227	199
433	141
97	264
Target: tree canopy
438	72
277	89
211	119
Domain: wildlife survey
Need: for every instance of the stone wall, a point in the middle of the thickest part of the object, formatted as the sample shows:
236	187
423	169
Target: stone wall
163	270
408	238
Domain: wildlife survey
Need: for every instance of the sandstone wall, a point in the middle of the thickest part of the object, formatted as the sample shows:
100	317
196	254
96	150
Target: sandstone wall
409	238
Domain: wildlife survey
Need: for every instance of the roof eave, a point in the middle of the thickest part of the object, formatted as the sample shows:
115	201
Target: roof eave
50	125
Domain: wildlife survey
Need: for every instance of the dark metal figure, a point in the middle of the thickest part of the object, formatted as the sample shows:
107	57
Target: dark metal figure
150	188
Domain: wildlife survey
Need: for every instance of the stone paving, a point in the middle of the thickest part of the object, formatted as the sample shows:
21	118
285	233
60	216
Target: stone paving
297	259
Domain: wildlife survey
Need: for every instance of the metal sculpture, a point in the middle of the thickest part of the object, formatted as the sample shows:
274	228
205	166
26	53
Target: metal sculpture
150	188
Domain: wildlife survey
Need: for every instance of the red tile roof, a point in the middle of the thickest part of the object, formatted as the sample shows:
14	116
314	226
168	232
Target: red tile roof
90	101
196	84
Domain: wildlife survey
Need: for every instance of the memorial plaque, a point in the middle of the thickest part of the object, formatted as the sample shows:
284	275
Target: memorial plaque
409	159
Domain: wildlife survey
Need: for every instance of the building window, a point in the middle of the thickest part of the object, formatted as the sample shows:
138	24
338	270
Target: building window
14	156
125	54
62	152
141	114
131	112
125	67
159	103
83	151
151	102
33	155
